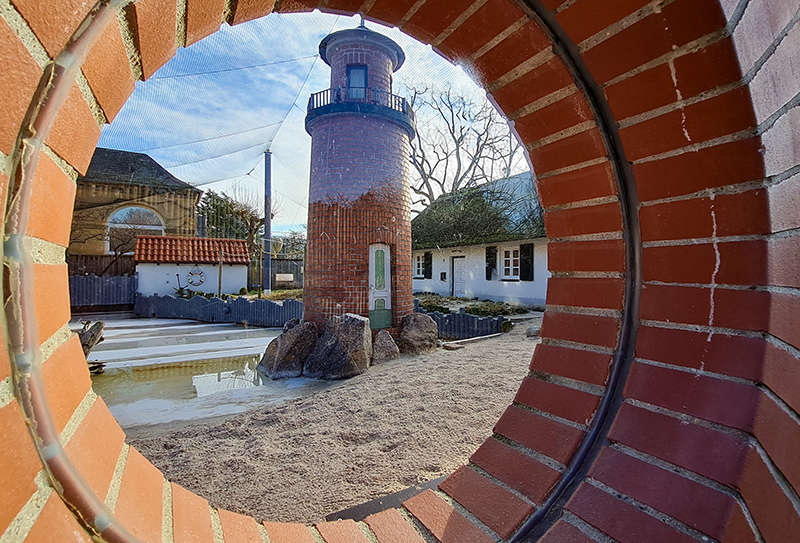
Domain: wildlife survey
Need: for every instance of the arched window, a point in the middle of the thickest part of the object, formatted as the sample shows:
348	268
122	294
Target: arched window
127	223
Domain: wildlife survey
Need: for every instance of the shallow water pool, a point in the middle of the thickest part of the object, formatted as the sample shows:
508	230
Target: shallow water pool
145	395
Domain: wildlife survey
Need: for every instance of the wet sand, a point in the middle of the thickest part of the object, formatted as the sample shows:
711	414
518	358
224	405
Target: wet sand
403	422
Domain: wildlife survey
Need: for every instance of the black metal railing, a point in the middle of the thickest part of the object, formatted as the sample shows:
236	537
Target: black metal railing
366	95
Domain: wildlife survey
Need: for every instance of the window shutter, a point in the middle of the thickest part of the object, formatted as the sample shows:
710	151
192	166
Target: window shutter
526	262
427	265
491	262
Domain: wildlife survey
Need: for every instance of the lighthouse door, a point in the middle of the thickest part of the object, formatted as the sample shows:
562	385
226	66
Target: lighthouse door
380	286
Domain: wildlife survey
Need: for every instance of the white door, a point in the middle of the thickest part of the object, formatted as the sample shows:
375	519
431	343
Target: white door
380	286
459	277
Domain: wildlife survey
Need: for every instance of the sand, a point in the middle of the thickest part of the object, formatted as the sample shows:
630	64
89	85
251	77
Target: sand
403	422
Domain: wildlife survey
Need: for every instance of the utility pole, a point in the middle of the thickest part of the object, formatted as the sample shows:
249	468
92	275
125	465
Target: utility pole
266	268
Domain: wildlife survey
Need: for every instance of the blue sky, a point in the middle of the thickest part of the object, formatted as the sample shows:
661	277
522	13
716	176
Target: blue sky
170	115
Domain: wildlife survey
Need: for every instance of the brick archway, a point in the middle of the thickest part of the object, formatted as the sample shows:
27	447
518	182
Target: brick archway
662	404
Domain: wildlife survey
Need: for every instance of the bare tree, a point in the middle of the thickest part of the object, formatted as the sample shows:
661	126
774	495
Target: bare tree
460	144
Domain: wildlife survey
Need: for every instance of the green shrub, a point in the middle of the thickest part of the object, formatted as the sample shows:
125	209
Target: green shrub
431	306
494	309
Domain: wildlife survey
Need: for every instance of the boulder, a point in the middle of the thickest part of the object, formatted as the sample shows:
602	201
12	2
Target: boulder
344	349
384	348
534	330
291	323
418	334
286	354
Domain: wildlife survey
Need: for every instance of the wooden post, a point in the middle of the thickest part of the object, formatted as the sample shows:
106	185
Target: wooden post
219	274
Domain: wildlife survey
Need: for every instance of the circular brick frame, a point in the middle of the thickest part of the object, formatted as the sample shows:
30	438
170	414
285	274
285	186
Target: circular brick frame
662	403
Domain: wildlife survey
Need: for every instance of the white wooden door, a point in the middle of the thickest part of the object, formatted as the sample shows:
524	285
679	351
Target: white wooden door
459	277
380	286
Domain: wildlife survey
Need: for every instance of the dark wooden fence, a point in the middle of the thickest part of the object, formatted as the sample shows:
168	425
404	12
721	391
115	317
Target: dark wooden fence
86	291
106	265
281	267
252	312
463	325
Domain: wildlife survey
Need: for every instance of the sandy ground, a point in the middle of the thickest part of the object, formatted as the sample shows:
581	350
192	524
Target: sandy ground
403	422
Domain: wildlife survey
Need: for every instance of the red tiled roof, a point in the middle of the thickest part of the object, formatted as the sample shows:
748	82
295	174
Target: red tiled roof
196	250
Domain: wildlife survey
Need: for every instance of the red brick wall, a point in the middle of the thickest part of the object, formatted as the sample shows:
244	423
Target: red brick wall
698	437
359	195
379	66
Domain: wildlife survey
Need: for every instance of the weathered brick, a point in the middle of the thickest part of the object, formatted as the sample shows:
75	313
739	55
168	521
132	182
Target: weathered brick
203	17
697	395
589	329
520	472
19	461
582	184
511	52
717	455
583	220
480	27
54	519
699	506
604	292
50	298
53	27
773	512
66	381
562	532
565	113
533	85
96	464
444	522
432	18
390	12
390	526
108	57
546	436
75	132
341	531
575	149
674	25
140	498
564	402
598	256
18	81
495	506
51	216
284	532
247	10
191	517
238	528
584	19
718	116
587	366
717	166
155	28
622	521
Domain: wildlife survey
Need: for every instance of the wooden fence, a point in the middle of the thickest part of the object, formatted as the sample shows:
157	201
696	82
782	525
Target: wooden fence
252	312
463	325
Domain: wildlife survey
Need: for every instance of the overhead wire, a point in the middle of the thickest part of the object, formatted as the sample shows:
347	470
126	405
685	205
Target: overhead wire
208	139
223	70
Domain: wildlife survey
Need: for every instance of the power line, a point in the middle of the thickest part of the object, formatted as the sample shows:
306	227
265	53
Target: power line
208	139
222	70
215	156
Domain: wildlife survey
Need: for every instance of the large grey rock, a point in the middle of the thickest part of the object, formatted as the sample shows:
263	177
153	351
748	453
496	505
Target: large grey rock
534	330
344	349
286	354
384	348
418	334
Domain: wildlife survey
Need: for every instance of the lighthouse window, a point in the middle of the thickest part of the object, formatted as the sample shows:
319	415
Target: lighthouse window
356	81
380	270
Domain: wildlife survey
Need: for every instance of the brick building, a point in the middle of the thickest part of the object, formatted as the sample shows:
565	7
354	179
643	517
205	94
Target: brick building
358	258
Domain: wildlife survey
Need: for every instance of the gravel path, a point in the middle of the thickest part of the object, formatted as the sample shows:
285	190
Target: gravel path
403	422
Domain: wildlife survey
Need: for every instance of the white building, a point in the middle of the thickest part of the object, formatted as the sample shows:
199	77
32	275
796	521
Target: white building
165	263
511	271
484	242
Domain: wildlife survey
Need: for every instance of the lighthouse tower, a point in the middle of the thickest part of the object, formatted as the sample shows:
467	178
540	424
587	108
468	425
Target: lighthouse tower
358	258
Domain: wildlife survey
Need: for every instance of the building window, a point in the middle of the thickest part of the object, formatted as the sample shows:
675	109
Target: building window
356	81
127	223
510	263
419	266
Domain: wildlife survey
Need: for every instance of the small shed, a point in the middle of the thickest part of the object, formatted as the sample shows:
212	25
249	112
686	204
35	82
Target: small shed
165	263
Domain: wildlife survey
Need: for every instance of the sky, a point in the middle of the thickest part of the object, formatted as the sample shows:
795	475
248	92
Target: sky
208	114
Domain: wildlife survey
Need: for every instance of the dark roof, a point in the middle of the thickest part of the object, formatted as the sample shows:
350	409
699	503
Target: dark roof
505	209
126	167
172	249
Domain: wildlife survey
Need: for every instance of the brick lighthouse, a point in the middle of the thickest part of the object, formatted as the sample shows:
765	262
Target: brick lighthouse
358	258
